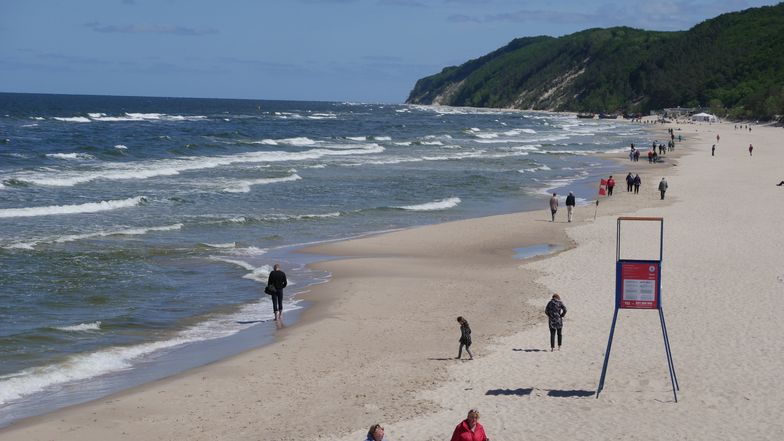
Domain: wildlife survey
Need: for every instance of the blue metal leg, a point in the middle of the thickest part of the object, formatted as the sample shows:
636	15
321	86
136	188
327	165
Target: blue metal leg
607	353
667	342
669	355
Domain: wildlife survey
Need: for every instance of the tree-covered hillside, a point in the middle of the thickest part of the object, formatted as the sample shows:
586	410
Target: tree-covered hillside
733	63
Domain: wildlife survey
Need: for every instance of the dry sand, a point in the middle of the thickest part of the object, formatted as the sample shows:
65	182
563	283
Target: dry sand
377	345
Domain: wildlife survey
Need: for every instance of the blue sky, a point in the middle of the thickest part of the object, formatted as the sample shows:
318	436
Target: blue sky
331	50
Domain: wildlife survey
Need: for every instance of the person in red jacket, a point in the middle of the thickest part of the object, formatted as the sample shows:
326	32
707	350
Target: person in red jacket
610	185
469	429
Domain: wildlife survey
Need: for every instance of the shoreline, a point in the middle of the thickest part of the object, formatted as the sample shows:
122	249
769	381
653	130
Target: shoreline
366	250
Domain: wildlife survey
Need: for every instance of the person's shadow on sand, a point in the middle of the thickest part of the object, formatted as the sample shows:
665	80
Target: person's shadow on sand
528	350
557	393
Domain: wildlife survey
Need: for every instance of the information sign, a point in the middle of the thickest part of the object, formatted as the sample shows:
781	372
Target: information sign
638	284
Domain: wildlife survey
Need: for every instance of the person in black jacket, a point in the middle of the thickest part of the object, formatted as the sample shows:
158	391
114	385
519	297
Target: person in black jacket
555	311
637	183
629	182
569	206
277	278
465	338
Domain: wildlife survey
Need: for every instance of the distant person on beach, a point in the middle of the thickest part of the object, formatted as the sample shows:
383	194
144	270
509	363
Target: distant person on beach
569	206
637	182
629	182
277	278
637	155
663	187
713	150
610	185
553	206
376	433
751	147
465	339
717	139
555	311
469	429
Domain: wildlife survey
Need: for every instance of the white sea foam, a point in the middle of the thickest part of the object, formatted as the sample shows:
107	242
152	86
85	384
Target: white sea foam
78	119
30	125
244	186
94	326
487	135
534	169
90	365
357	138
383	138
221	245
403	143
74	237
90	207
432	143
170	167
442	204
70	156
121	147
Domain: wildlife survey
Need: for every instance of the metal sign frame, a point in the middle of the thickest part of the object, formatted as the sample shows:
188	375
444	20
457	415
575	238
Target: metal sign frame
620	265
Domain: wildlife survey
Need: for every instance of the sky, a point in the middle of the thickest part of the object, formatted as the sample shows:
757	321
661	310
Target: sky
314	50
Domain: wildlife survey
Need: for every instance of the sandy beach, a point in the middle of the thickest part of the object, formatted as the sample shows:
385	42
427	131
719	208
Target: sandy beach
379	342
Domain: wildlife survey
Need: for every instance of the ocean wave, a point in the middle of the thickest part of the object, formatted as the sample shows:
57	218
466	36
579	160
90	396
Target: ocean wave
534	169
121	147
94	326
170	167
90	365
244	186
442	204
74	237
77	119
70	156
90	207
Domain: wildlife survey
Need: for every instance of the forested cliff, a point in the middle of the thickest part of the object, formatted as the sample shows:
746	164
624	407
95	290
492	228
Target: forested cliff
733	63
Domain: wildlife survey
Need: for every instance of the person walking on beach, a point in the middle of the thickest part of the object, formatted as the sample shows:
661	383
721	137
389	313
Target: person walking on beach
637	155
469	429
629	182
637	182
555	311
569	206
713	150
465	339
277	278
610	185
376	433
663	187
751	147
553	206
717	138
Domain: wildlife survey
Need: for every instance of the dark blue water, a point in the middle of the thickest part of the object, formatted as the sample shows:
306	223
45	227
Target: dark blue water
133	227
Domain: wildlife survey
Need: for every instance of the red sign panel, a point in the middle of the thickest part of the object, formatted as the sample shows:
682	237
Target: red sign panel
638	284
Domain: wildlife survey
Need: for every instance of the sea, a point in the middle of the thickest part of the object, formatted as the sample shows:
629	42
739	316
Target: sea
137	234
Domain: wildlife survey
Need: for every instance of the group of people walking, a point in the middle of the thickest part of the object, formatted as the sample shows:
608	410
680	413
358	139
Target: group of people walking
570	202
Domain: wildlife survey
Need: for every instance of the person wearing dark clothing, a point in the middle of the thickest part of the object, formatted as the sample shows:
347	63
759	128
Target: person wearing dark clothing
569	206
465	338
663	187
637	155
637	182
277	278
713	150
751	147
780	184
555	311
629	182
